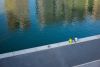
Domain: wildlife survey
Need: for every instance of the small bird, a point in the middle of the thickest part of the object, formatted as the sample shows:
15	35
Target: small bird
76	39
70	41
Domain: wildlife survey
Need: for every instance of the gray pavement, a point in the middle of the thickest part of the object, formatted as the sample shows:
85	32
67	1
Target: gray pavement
66	56
90	64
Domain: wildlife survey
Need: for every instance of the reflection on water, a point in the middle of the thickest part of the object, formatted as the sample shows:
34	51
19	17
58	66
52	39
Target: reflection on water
46	21
62	10
96	10
17	14
50	11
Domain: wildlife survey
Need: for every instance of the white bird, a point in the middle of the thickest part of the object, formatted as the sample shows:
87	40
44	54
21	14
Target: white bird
76	39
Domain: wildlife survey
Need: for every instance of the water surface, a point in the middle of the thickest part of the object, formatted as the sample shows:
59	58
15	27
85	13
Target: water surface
31	23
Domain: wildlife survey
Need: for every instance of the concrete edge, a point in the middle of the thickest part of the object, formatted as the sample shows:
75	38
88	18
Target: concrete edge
45	47
81	65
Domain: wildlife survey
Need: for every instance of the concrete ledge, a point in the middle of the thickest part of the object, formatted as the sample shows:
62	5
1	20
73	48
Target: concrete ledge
50	46
95	63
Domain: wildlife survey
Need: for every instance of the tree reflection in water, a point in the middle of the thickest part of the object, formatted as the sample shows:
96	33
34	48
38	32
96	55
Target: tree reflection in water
17	14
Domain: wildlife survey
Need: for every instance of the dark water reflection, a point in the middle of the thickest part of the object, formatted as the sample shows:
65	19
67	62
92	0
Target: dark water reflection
17	14
30	23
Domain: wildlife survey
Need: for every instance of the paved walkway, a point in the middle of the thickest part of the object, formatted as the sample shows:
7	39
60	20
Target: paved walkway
95	63
65	56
